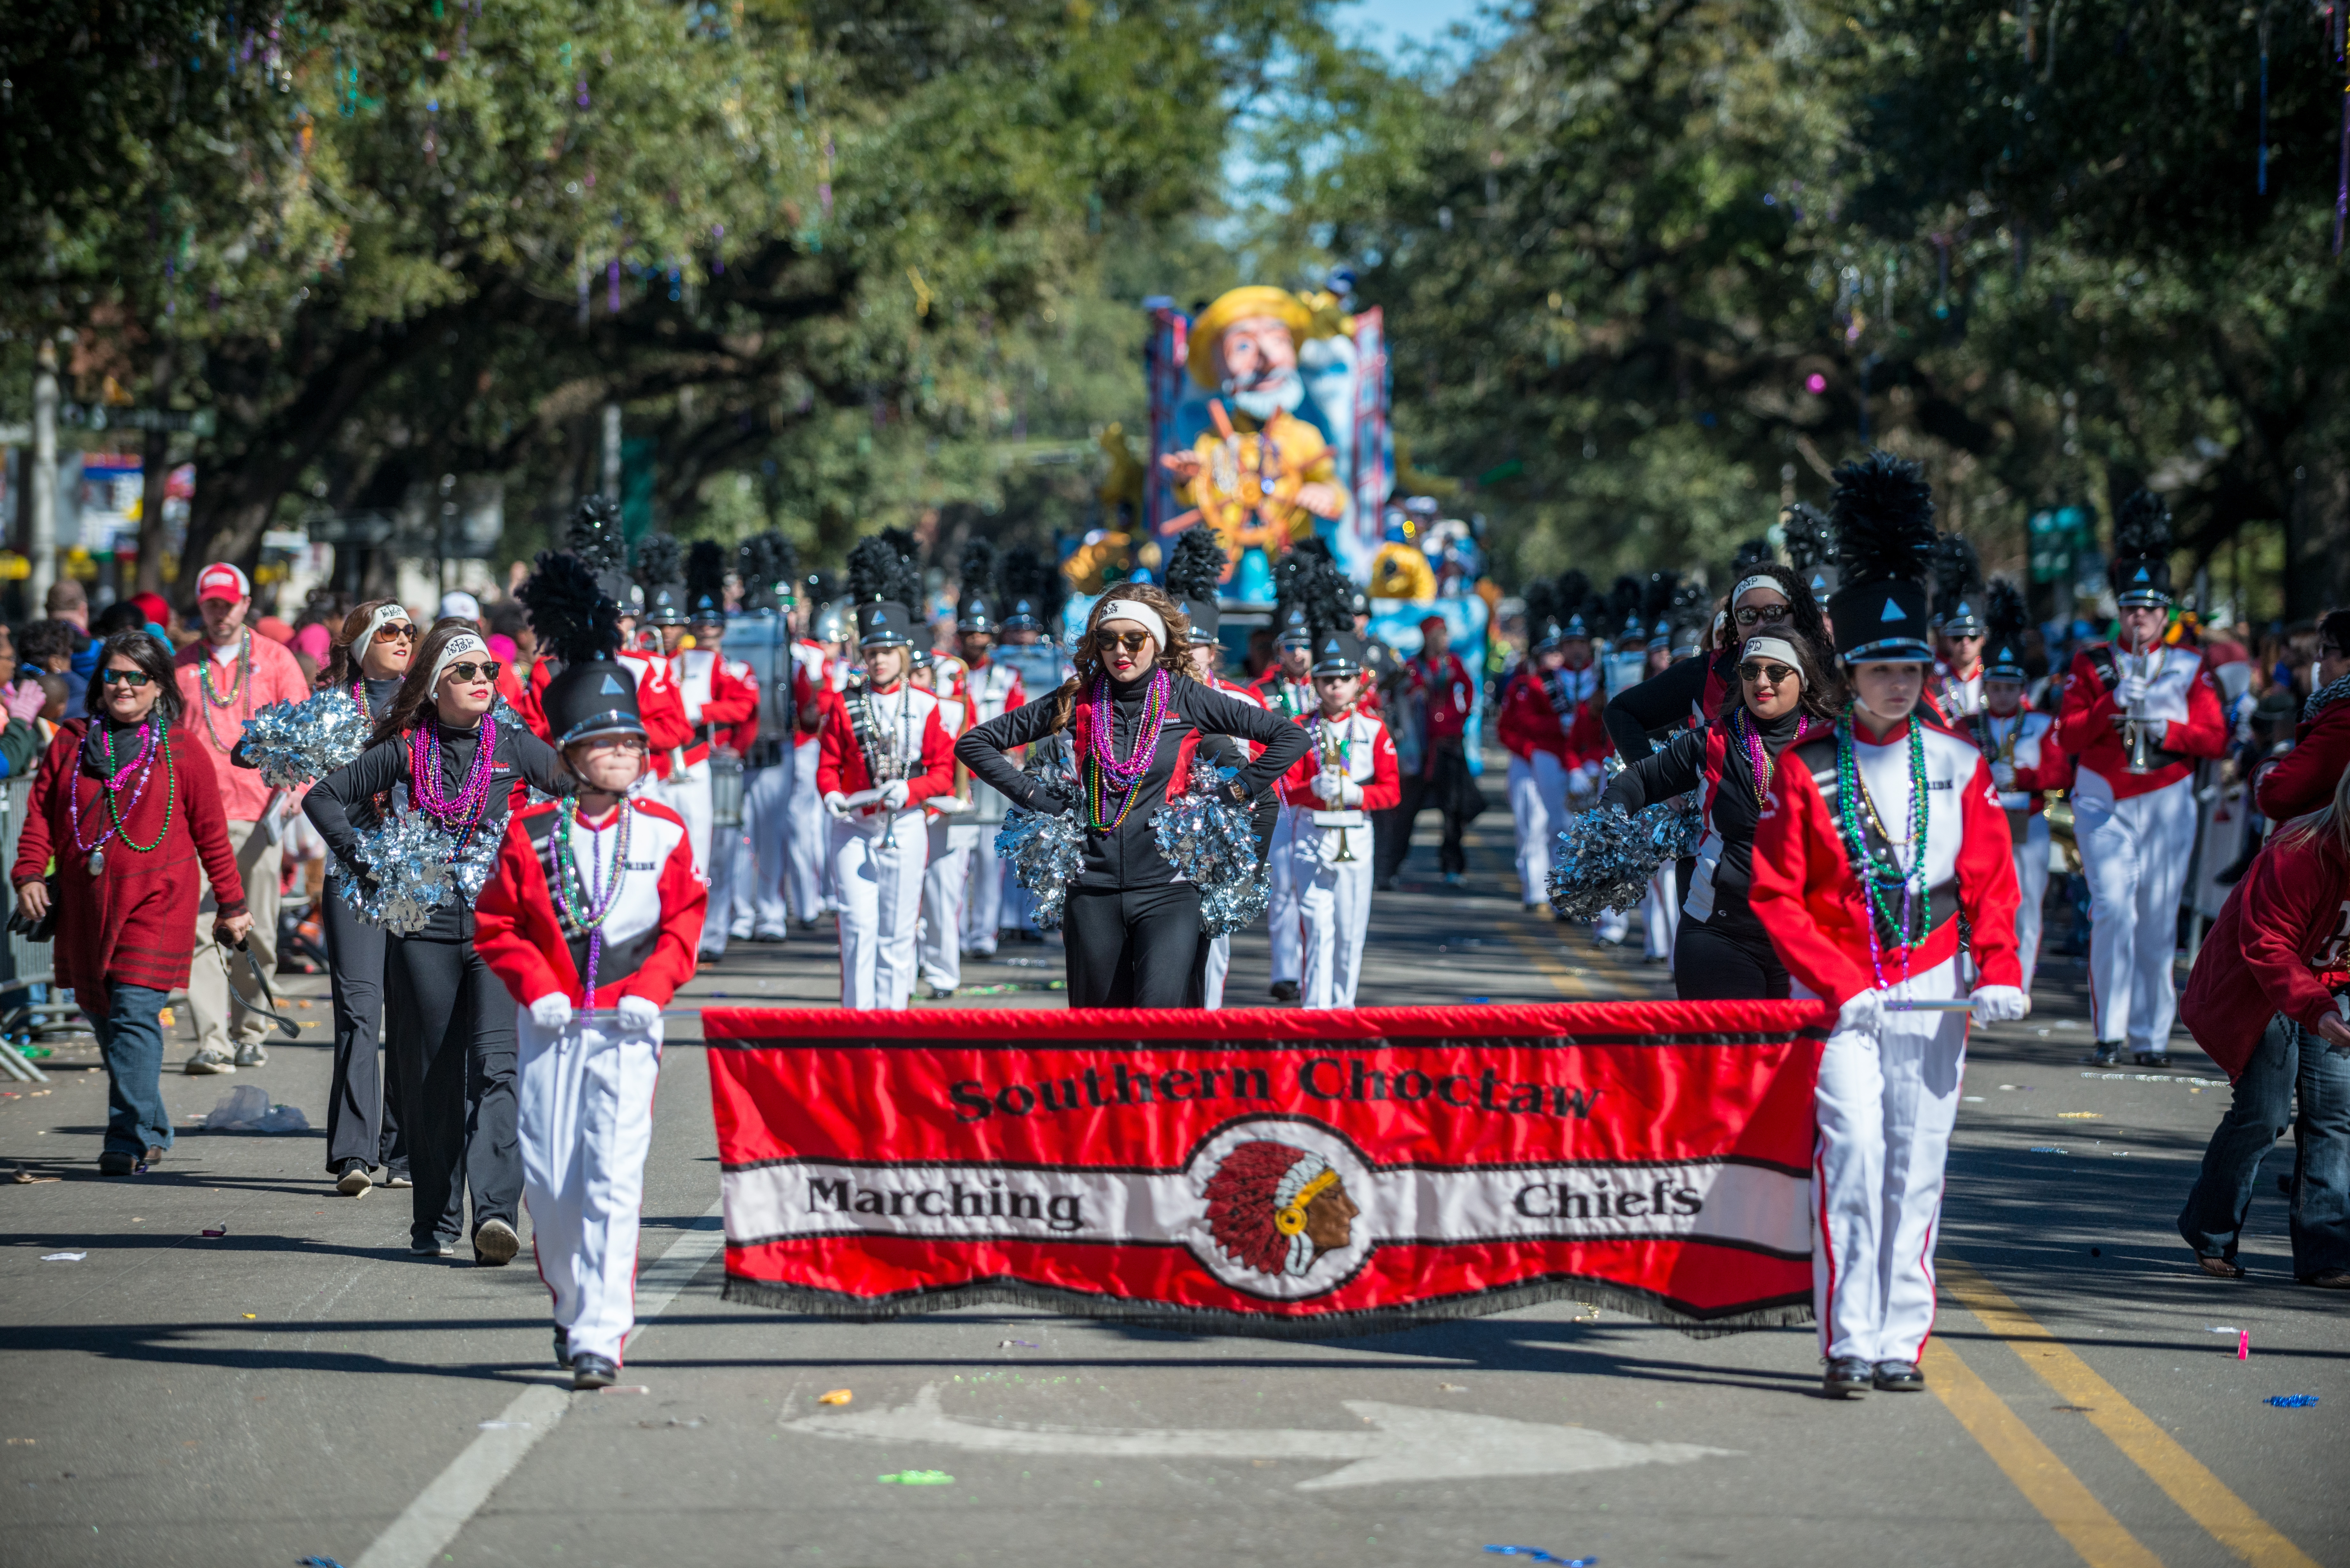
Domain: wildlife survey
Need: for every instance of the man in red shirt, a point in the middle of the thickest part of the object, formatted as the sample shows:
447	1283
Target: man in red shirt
226	677
1438	694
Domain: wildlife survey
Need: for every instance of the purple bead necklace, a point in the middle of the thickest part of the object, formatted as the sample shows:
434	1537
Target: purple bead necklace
464	808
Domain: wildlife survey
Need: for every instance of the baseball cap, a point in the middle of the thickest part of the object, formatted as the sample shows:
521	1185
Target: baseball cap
221	581
461	604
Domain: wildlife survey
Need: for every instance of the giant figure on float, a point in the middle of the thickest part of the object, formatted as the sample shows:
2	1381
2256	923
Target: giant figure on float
1271	438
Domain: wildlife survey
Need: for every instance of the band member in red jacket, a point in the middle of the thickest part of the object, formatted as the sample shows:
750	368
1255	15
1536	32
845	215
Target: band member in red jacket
1550	725
1348	771
1438	694
2302	780
1873	843
2267	999
590	920
2137	715
2025	761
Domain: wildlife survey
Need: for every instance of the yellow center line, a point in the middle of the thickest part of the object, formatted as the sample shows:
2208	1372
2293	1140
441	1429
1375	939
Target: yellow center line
1569	981
2204	1496
2035	1469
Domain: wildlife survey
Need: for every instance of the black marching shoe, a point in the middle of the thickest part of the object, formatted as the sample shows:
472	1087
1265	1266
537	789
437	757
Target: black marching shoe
1285	990
1898	1376
2107	1054
563	1348
2151	1058
494	1244
117	1162
351	1179
592	1372
1845	1376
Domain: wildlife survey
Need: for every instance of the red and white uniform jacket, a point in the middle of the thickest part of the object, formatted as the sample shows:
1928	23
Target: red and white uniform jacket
719	698
815	671
2025	741
1277	693
649	936
2181	702
991	689
1530	720
1805	893
1956	695
1368	758
910	714
667	730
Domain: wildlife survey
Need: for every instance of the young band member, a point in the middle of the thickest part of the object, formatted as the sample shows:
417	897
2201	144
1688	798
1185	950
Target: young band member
1311	592
992	687
1959	604
885	751
938	952
758	911
590	921
1550	725
722	704
1349	770
439	749
1788	692
1135	714
1286	688
2025	761
2137	715
823	669
1873	843
1195	569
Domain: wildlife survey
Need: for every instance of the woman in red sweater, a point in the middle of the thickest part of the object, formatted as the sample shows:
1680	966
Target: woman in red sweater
127	808
2266	1001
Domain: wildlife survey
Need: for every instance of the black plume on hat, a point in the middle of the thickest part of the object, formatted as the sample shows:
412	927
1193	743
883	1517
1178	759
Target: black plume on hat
1542	612
1624	606
659	562
1658	596
706	577
574	618
1810	542
2141	568
1574	587
1752	553
975	580
1195	567
1883	511
1958	584
2006	620
874	572
595	535
767	561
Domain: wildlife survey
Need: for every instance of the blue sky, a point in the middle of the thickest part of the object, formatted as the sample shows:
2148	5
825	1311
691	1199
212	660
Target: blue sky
1403	29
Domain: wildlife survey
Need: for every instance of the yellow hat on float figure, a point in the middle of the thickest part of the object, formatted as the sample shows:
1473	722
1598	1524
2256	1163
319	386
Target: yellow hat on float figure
1245	304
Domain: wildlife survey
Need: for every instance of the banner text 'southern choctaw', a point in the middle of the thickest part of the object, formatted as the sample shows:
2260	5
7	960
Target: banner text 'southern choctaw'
1318	1077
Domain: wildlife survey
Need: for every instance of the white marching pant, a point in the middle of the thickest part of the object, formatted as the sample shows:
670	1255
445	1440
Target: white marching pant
1219	964
1661	909
586	1124
759	906
1538	807
1885	1101
2135	854
807	860
687	792
880	902
733	870
1335	904
1286	935
982	902
2032	886
938	949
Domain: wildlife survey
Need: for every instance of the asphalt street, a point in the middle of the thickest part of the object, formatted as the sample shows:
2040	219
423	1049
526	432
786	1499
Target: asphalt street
295	1384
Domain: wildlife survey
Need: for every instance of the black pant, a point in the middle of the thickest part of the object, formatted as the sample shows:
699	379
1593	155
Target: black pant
1444	784
1711	964
363	1120
451	1027
1135	949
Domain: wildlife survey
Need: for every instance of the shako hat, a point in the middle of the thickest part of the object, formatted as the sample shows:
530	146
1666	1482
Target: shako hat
976	606
593	693
1338	652
2007	619
1883	512
661	573
883	587
705	583
1958	587
1811	550
1195	570
2141	568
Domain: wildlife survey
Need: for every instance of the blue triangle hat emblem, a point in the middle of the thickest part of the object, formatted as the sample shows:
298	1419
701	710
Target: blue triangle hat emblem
612	687
2141	577
1891	611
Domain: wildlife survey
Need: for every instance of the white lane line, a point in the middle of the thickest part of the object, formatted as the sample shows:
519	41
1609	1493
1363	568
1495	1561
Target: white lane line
417	1537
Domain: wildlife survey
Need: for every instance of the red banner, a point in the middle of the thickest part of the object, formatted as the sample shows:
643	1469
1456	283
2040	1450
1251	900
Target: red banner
1272	1171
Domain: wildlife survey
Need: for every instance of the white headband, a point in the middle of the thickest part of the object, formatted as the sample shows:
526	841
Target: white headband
385	614
1131	609
1777	647
459	646
1757	581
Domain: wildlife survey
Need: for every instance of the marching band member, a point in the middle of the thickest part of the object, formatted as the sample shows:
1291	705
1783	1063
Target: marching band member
938	955
769	566
1135	714
1348	768
1550	725
822	669
2135	716
1195	569
1872	844
449	1027
1958	601
1439	694
1311	592
993	689
2025	761
590	921
721	700
1767	601
681	775
1788	693
1286	686
885	752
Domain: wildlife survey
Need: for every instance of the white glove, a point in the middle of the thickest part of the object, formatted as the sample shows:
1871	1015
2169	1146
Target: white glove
894	794
552	1013
1350	792
1329	787
837	803
639	1015
1864	1012
2002	778
2130	691
1999	1005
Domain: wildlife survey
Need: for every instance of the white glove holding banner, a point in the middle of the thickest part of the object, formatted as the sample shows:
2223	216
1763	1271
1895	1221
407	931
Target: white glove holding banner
552	1013
639	1015
1863	1014
1999	1005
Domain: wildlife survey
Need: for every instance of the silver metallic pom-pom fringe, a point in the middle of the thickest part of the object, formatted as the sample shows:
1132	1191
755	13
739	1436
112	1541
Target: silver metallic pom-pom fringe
1605	857
410	859
1212	841
291	743
1046	853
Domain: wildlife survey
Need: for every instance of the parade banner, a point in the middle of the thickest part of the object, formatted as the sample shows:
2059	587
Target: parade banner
1272	1171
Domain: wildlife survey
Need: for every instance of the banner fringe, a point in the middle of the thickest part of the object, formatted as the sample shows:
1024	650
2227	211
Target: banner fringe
809	1302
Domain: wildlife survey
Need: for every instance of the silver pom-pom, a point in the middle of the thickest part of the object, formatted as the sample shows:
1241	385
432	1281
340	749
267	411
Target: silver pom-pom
291	743
475	859
1046	853
409	858
1605	858
1212	841
1231	907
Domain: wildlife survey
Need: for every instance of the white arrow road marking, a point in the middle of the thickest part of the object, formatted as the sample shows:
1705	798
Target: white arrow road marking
1404	1442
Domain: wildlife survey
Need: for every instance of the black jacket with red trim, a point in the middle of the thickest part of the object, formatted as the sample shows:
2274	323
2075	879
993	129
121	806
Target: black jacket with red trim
1128	855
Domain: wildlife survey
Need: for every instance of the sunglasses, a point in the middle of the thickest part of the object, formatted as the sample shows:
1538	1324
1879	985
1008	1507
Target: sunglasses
466	670
1132	641
1769	614
1755	674
634	744
398	631
124	677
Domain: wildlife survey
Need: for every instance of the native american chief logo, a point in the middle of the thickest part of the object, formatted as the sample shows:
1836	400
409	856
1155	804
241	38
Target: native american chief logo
1276	1209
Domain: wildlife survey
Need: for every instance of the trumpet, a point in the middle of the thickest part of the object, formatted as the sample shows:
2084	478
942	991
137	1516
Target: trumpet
2137	733
1333	762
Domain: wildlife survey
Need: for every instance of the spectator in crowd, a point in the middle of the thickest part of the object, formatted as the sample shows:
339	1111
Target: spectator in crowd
23	734
68	601
53	646
157	609
2302	780
121	616
458	605
509	620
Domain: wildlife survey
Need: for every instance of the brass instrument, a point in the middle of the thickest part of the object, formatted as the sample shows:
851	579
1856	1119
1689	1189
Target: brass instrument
1333	761
2137	731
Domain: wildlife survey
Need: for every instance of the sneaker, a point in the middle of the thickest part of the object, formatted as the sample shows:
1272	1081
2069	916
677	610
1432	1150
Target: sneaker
1845	1376
592	1372
209	1061
352	1180
494	1244
1285	990
439	1247
397	1179
249	1054
116	1162
1898	1376
2107	1054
